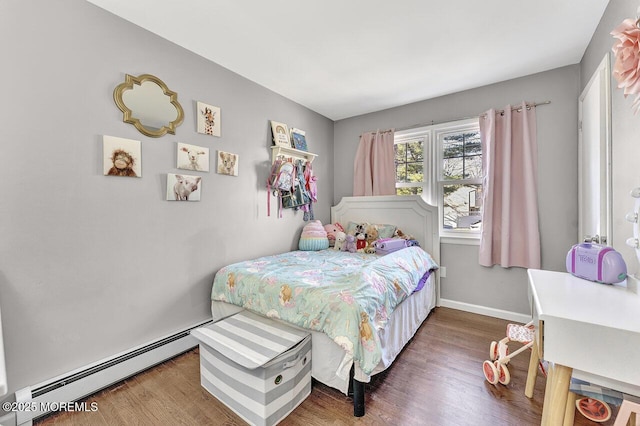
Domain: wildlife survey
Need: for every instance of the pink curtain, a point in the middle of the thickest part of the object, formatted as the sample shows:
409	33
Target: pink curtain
510	234
374	169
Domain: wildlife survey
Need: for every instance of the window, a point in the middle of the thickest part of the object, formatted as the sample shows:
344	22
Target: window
443	163
410	166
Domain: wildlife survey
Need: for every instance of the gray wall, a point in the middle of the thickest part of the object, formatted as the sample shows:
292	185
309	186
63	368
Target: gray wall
625	127
91	265
467	282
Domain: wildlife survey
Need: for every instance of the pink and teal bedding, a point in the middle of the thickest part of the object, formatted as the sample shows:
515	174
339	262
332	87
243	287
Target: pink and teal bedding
348	296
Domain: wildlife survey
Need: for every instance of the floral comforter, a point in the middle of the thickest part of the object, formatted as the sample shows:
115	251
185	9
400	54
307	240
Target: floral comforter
347	296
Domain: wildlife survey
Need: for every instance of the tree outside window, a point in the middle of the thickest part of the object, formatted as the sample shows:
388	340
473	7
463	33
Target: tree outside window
409	158
460	179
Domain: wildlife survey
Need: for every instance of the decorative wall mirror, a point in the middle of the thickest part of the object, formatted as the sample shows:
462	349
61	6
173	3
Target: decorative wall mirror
148	104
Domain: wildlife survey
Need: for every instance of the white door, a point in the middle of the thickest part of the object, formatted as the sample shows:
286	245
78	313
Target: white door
594	162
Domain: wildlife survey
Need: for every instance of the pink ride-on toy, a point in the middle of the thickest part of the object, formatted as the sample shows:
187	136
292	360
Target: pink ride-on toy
496	370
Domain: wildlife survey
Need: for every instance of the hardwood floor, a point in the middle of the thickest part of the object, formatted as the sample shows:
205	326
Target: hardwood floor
437	380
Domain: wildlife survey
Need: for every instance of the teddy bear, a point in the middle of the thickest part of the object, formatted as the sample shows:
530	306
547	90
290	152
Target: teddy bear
371	236
350	244
341	239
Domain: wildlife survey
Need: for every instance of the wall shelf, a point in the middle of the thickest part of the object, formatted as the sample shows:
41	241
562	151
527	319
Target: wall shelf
277	151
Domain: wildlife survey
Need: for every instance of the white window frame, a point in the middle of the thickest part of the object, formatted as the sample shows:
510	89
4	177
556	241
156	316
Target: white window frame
433	184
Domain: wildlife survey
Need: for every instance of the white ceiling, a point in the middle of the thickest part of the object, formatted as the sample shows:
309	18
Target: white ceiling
343	58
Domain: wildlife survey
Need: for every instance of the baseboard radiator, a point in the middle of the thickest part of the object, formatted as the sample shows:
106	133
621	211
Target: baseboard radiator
74	386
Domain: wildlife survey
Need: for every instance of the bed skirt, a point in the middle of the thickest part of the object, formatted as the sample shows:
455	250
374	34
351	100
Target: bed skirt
330	364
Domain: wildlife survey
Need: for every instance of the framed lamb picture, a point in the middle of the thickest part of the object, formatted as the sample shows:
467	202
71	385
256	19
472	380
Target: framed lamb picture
192	157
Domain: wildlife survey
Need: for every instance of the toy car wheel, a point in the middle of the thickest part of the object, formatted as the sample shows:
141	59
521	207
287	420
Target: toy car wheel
594	409
490	372
493	351
504	377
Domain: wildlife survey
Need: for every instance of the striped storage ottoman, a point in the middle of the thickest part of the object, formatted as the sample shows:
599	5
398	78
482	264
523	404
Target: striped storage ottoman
258	367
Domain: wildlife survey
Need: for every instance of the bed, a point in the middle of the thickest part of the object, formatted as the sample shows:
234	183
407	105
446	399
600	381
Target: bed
354	335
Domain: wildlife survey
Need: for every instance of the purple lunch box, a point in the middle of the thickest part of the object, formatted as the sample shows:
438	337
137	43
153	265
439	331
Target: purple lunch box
595	262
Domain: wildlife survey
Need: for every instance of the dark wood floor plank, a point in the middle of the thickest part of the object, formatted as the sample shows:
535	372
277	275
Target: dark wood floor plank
436	380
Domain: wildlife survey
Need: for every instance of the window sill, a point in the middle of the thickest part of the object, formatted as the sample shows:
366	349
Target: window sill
464	240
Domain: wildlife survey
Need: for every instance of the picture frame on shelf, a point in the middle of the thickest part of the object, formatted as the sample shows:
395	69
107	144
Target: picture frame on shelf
299	139
280	133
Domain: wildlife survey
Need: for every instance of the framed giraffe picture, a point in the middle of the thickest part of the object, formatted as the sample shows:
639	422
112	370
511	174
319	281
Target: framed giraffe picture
208	119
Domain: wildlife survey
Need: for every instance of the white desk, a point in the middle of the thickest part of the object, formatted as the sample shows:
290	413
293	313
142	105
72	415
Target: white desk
588	327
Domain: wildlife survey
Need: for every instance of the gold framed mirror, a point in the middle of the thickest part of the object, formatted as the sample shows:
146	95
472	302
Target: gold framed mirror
148	104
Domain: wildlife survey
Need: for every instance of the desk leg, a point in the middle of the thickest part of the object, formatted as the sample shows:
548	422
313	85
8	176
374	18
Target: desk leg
555	394
547	395
570	413
533	370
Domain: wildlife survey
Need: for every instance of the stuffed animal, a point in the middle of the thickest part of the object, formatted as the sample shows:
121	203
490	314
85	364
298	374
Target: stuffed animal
371	236
401	234
350	244
331	229
341	239
359	233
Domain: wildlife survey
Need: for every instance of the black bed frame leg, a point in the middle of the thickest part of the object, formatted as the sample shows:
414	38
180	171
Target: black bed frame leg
358	398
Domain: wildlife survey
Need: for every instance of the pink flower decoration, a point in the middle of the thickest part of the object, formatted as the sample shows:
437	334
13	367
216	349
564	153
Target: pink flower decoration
627	66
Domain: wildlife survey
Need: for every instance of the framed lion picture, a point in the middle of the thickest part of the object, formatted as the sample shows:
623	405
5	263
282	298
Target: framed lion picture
227	163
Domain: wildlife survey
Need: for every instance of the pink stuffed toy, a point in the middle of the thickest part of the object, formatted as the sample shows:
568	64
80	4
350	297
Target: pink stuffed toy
331	229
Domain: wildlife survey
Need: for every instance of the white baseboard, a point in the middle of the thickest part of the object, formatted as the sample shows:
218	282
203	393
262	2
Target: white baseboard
483	310
85	381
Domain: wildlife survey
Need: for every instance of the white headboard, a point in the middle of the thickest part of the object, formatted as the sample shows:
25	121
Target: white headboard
410	213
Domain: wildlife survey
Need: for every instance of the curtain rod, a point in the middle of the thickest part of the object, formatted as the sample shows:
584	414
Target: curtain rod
518	109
